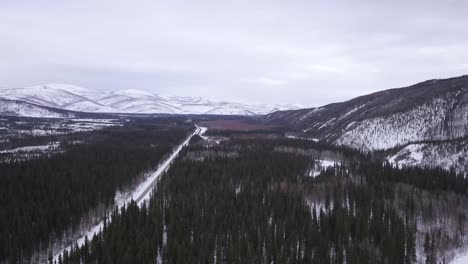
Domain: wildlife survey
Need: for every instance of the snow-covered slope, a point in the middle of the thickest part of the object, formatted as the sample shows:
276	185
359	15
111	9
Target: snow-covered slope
450	155
424	124
70	97
431	110
19	108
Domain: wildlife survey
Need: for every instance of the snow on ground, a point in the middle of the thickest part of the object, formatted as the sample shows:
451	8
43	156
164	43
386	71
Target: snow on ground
350	125
142	192
85	126
92	120
317	205
319	165
58	126
447	155
17	108
202	132
140	195
303	138
327	123
310	112
399	128
408	156
461	259
50	146
352	111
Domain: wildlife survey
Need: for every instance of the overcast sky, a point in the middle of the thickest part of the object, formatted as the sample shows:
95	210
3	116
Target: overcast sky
308	52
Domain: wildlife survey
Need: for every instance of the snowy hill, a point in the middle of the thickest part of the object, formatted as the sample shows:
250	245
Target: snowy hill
19	108
424	124
431	110
74	98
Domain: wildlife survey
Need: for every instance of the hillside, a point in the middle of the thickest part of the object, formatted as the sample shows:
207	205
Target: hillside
24	109
431	110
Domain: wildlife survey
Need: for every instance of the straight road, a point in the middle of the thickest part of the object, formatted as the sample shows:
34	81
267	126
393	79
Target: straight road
142	192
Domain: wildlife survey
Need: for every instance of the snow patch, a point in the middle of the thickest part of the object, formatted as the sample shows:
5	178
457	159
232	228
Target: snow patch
352	111
409	156
51	146
320	165
303	138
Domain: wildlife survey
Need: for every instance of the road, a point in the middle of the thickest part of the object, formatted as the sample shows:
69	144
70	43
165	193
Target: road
150	182
142	192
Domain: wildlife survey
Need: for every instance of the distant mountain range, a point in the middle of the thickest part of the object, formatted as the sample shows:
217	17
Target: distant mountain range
426	123
74	98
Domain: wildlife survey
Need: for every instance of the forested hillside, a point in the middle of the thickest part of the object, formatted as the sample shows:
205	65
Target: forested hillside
253	199
45	199
430	110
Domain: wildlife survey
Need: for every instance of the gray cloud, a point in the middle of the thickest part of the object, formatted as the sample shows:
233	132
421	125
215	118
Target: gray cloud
309	52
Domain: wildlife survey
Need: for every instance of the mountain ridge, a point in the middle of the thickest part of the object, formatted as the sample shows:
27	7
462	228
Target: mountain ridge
75	98
444	100
433	114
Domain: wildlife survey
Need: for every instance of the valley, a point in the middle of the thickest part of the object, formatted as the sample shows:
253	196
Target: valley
355	182
233	132
284	212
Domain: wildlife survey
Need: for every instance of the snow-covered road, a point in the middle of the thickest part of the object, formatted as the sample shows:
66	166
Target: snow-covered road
140	194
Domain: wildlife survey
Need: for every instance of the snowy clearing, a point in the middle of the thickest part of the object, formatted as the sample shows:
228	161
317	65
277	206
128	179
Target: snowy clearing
50	146
319	165
409	156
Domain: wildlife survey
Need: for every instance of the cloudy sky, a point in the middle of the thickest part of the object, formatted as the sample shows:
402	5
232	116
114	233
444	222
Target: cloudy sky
309	52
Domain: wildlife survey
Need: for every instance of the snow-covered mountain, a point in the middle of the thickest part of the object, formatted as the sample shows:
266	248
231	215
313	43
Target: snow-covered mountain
24	109
423	115
431	110
74	98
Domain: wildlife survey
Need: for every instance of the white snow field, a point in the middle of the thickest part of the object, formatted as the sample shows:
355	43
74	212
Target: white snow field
141	194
